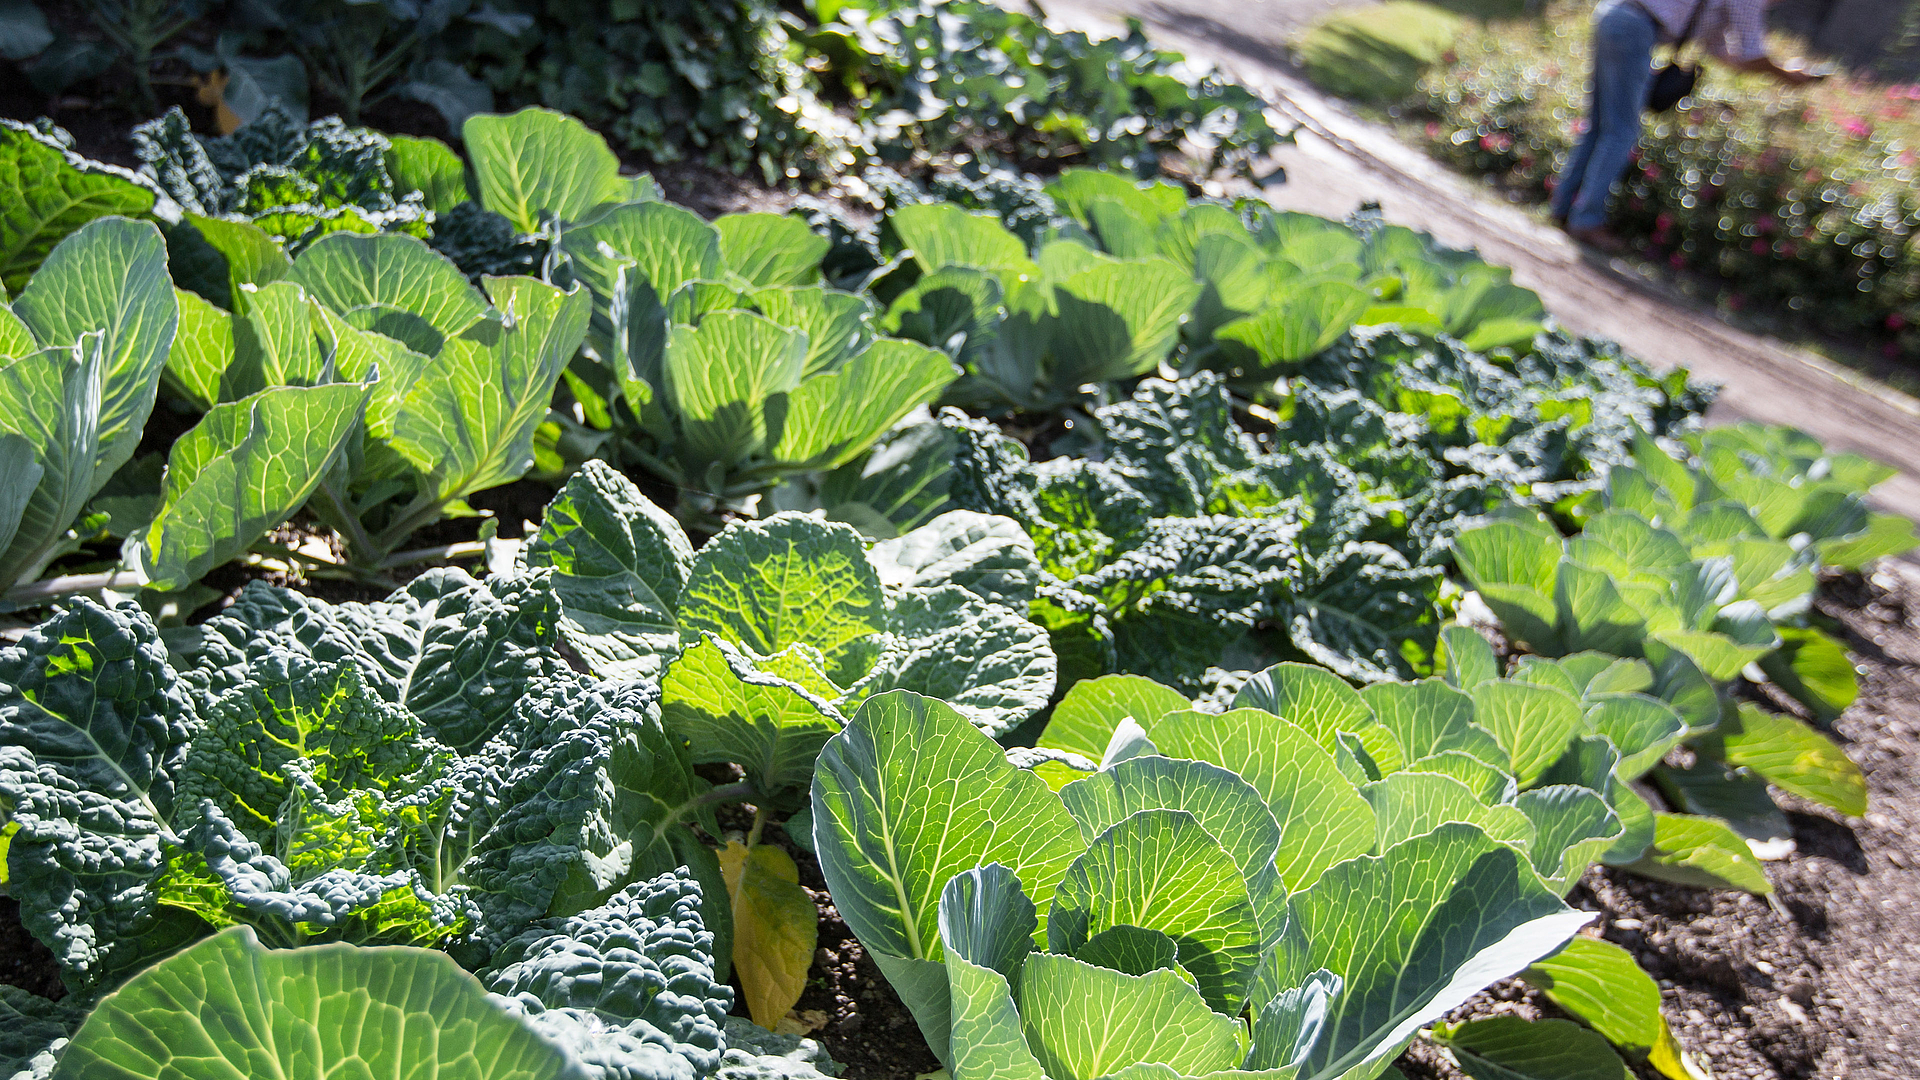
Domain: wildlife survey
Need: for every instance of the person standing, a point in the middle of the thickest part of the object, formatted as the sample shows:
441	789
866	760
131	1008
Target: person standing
1624	35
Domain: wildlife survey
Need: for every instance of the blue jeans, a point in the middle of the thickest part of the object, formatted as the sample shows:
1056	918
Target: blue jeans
1623	39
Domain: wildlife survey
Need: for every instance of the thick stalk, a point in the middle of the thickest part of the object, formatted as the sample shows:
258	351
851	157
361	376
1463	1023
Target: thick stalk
41	592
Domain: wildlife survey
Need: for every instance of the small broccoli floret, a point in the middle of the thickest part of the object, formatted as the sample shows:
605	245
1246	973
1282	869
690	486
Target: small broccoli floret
642	962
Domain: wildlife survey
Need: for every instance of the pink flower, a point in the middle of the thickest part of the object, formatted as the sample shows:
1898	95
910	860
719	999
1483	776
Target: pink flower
1663	222
1765	225
1433	129
1857	128
1896	322
1759	247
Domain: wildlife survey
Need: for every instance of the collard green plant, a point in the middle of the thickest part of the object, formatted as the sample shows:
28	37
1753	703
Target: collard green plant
1225	906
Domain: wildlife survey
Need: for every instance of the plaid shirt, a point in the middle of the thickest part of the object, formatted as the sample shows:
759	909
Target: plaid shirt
1733	30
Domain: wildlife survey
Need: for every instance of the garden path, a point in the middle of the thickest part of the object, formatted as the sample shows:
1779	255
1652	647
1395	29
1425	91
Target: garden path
1341	160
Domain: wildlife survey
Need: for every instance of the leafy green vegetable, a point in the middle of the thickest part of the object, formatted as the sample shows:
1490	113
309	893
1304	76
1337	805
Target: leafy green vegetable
229	1000
50	193
92	329
1160	905
404	771
788	623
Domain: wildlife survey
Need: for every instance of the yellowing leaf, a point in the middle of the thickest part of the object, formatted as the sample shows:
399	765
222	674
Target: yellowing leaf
775	928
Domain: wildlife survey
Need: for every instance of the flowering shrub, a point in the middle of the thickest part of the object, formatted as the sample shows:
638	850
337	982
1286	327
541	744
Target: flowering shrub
1802	200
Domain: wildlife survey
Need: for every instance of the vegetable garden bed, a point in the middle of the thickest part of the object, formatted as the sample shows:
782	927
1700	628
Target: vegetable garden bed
1236	635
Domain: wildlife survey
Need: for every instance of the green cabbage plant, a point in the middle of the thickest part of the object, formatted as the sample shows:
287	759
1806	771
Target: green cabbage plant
81	352
1706	566
1134	277
1299	884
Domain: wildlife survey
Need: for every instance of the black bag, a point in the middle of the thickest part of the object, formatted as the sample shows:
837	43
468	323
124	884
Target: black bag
1674	80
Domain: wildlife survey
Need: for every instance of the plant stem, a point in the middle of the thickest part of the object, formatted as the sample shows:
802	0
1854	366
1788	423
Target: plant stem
760	816
725	793
466	549
53	588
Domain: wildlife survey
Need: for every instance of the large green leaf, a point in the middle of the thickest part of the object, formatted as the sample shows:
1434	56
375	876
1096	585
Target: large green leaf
1325	706
1429	717
1085	719
1416	930
987	925
789	580
988	661
731	379
838	325
1410	804
201	352
1815	669
833	418
1791	755
989	556
619	565
911	794
51	400
1084	1022
234	1008
1322	818
111	276
241	471
770	249
539	160
1601	984
393	284
1231	810
1702	852
274	343
22	477
1118	320
1573	827
48	192
469	422
1513	566
1642	728
668	245
430	167
93	734
1301	325
725	708
1532	723
943	234
215	256
1076	189
1160	869
1512	1048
